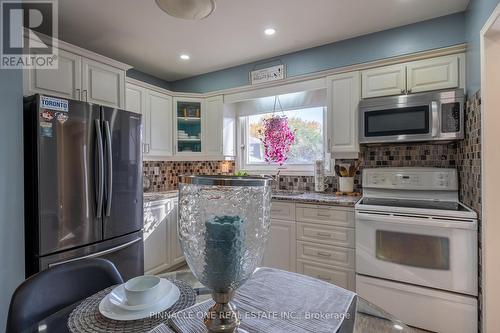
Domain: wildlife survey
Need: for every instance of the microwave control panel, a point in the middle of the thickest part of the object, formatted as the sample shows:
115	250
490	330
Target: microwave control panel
450	117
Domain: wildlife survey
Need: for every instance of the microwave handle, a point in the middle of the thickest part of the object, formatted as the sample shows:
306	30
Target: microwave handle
435	119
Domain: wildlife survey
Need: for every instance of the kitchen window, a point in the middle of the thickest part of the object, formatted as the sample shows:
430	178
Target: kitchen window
310	132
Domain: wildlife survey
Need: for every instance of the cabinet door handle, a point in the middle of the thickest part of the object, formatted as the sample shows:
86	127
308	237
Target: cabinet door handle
324	234
324	278
323	254
409	91
78	94
403	91
85	91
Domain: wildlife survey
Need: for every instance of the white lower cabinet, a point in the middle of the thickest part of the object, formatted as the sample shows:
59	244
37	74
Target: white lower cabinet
177	256
161	244
314	240
339	276
280	250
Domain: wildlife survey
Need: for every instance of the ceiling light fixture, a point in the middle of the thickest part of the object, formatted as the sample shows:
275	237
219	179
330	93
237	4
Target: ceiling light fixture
270	31
187	9
185	57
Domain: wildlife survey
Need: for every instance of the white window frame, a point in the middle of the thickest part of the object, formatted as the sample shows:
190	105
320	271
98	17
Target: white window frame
292	169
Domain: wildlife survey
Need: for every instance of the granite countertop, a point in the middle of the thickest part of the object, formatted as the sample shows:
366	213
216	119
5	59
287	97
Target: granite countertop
316	198
298	197
154	197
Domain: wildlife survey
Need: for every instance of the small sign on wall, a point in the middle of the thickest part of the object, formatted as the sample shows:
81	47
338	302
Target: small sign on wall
269	74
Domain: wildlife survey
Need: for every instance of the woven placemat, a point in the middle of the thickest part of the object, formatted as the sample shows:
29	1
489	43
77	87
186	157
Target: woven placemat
86	317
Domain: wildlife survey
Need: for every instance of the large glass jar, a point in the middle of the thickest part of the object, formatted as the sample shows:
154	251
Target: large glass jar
223	227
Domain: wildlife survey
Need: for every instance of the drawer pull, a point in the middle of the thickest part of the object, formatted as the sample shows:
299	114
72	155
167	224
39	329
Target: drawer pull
324	278
276	210
323	215
323	254
324	234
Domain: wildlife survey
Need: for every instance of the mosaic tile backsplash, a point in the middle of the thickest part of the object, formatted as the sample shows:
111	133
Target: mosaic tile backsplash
168	172
387	155
469	155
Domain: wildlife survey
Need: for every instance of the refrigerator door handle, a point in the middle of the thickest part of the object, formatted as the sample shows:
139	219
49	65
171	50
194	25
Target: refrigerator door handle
109	175
98	254
100	168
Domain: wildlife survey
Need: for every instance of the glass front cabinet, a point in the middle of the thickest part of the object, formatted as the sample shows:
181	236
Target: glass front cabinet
188	129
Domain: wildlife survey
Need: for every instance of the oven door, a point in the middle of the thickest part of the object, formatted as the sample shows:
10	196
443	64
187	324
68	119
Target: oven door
399	123
421	250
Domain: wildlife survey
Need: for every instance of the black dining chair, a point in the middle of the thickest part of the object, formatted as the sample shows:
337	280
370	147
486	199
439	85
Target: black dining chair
55	288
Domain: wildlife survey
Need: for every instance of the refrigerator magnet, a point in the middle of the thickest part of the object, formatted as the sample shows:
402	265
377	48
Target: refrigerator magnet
46	129
62	117
47	115
52	103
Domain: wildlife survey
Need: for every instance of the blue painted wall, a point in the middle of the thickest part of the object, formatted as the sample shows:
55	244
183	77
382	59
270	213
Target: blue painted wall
475	17
436	33
11	188
141	76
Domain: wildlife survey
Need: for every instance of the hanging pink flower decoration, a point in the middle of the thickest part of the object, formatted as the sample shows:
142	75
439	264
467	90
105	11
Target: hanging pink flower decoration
277	138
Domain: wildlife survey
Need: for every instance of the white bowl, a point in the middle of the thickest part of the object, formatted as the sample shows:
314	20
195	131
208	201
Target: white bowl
142	289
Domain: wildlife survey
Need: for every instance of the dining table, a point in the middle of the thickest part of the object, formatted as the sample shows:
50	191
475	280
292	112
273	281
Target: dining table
363	316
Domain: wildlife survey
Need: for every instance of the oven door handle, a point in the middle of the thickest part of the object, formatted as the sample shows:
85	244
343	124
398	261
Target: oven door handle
415	220
435	119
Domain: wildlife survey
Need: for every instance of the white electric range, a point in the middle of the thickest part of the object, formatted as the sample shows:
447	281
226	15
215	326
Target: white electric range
416	248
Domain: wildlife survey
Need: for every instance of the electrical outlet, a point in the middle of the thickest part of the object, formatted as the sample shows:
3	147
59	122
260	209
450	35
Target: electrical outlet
156	171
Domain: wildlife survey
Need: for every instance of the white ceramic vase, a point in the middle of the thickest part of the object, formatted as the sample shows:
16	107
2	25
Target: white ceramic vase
346	184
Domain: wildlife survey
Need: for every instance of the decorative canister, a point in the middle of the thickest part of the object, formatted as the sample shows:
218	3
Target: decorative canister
346	184
319	176
224	224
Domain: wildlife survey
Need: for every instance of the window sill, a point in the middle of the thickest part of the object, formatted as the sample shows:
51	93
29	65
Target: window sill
299	173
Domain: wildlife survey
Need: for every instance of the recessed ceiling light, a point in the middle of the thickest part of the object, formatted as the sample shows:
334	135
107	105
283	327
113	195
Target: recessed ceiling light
398	327
185	57
270	31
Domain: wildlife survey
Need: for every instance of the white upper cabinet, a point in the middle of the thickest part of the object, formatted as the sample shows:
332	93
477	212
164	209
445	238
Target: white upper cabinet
433	74
343	94
81	75
445	72
136	98
158	120
103	84
384	81
189	129
65	81
212	123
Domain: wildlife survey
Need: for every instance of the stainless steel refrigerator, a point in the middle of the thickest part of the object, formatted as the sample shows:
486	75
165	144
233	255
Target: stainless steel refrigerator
83	184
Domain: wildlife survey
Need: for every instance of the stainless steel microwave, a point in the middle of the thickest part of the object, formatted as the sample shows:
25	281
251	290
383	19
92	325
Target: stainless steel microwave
417	117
